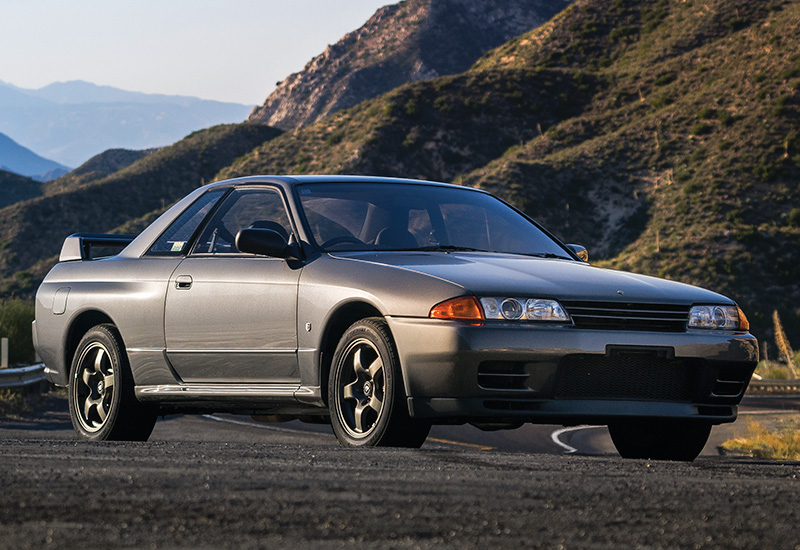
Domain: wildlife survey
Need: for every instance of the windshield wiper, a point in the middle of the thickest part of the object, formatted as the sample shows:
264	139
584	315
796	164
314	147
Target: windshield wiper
546	255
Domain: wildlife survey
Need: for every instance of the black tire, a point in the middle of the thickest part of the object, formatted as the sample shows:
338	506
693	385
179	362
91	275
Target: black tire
365	391
102	405
660	439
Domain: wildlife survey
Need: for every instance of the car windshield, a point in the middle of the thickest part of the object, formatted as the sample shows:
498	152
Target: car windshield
395	216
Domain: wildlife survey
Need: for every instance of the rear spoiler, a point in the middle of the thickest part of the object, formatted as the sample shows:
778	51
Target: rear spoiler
80	246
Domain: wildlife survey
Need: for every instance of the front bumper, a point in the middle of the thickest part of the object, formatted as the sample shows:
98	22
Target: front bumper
511	372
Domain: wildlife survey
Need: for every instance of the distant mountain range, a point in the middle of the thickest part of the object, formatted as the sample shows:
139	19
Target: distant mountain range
70	122
405	42
21	160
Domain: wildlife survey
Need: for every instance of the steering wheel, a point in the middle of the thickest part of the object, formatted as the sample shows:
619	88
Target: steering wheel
341	239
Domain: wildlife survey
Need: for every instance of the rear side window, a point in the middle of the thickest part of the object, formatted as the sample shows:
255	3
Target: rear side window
176	239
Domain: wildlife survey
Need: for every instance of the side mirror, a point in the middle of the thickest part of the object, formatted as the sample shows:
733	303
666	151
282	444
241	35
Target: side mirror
579	251
264	242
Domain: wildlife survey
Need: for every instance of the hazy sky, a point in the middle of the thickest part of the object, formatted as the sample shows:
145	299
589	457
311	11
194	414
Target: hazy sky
229	50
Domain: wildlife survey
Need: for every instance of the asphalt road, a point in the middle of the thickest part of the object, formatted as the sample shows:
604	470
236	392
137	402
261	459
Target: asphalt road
214	483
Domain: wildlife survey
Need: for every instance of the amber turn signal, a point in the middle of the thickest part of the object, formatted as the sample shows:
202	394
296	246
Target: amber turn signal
744	324
463	308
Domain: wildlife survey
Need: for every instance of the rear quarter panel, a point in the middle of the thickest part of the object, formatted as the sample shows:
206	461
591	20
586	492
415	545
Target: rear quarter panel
129	292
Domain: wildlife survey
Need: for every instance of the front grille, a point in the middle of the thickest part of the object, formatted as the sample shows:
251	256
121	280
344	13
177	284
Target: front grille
627	316
625	376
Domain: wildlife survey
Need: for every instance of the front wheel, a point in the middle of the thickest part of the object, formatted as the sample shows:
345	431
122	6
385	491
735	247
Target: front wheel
102	405
660	439
365	391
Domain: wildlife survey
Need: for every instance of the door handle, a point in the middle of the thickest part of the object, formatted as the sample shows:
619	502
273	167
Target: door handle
183	282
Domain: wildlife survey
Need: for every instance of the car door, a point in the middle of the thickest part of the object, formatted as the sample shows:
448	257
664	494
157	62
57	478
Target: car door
229	316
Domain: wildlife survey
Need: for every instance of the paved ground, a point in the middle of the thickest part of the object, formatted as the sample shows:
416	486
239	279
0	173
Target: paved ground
205	483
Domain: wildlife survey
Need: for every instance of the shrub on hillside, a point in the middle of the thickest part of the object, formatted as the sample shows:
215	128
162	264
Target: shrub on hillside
16	316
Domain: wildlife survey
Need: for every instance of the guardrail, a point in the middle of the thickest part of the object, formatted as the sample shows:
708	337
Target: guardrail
22	377
774	387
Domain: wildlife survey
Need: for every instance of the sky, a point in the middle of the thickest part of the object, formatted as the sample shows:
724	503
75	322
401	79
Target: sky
227	50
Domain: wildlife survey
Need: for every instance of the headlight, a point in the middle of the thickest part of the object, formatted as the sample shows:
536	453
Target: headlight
718	317
524	309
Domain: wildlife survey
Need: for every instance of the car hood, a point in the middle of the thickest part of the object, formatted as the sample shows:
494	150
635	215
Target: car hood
492	274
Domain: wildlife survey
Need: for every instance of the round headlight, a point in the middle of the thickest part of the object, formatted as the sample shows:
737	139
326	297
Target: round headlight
511	309
545	310
719	319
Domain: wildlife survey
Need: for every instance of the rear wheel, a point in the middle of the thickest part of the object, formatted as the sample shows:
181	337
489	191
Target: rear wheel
102	405
365	391
660	439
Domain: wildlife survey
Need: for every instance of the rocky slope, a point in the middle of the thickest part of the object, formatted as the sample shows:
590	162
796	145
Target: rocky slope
661	135
405	42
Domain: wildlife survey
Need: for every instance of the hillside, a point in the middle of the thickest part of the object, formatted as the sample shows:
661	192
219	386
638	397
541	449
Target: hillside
405	42
689	158
16	188
34	230
71	122
21	160
672	149
662	135
96	168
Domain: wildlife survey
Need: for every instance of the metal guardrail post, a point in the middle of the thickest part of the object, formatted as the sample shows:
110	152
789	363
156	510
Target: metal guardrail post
4	353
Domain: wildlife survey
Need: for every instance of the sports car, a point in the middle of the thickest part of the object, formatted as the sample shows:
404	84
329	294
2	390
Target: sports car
381	306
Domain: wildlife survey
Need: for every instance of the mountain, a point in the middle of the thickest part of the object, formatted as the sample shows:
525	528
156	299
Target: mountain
71	122
31	232
405	42
16	188
96	168
662	135
21	160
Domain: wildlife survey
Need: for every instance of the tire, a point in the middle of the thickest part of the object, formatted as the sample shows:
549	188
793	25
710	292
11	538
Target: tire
660	439
365	391
102	405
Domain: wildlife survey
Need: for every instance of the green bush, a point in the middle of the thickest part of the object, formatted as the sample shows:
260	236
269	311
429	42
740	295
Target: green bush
700	129
16	316
793	218
706	113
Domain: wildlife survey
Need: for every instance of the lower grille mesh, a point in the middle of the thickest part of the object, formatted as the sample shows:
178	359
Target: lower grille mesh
643	377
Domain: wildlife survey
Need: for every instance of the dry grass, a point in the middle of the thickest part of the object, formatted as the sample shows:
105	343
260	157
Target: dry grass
12	403
772	370
783	442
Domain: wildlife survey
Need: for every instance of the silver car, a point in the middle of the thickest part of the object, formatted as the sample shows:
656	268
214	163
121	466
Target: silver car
382	306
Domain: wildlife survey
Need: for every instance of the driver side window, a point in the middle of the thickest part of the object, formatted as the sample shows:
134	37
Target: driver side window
244	208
